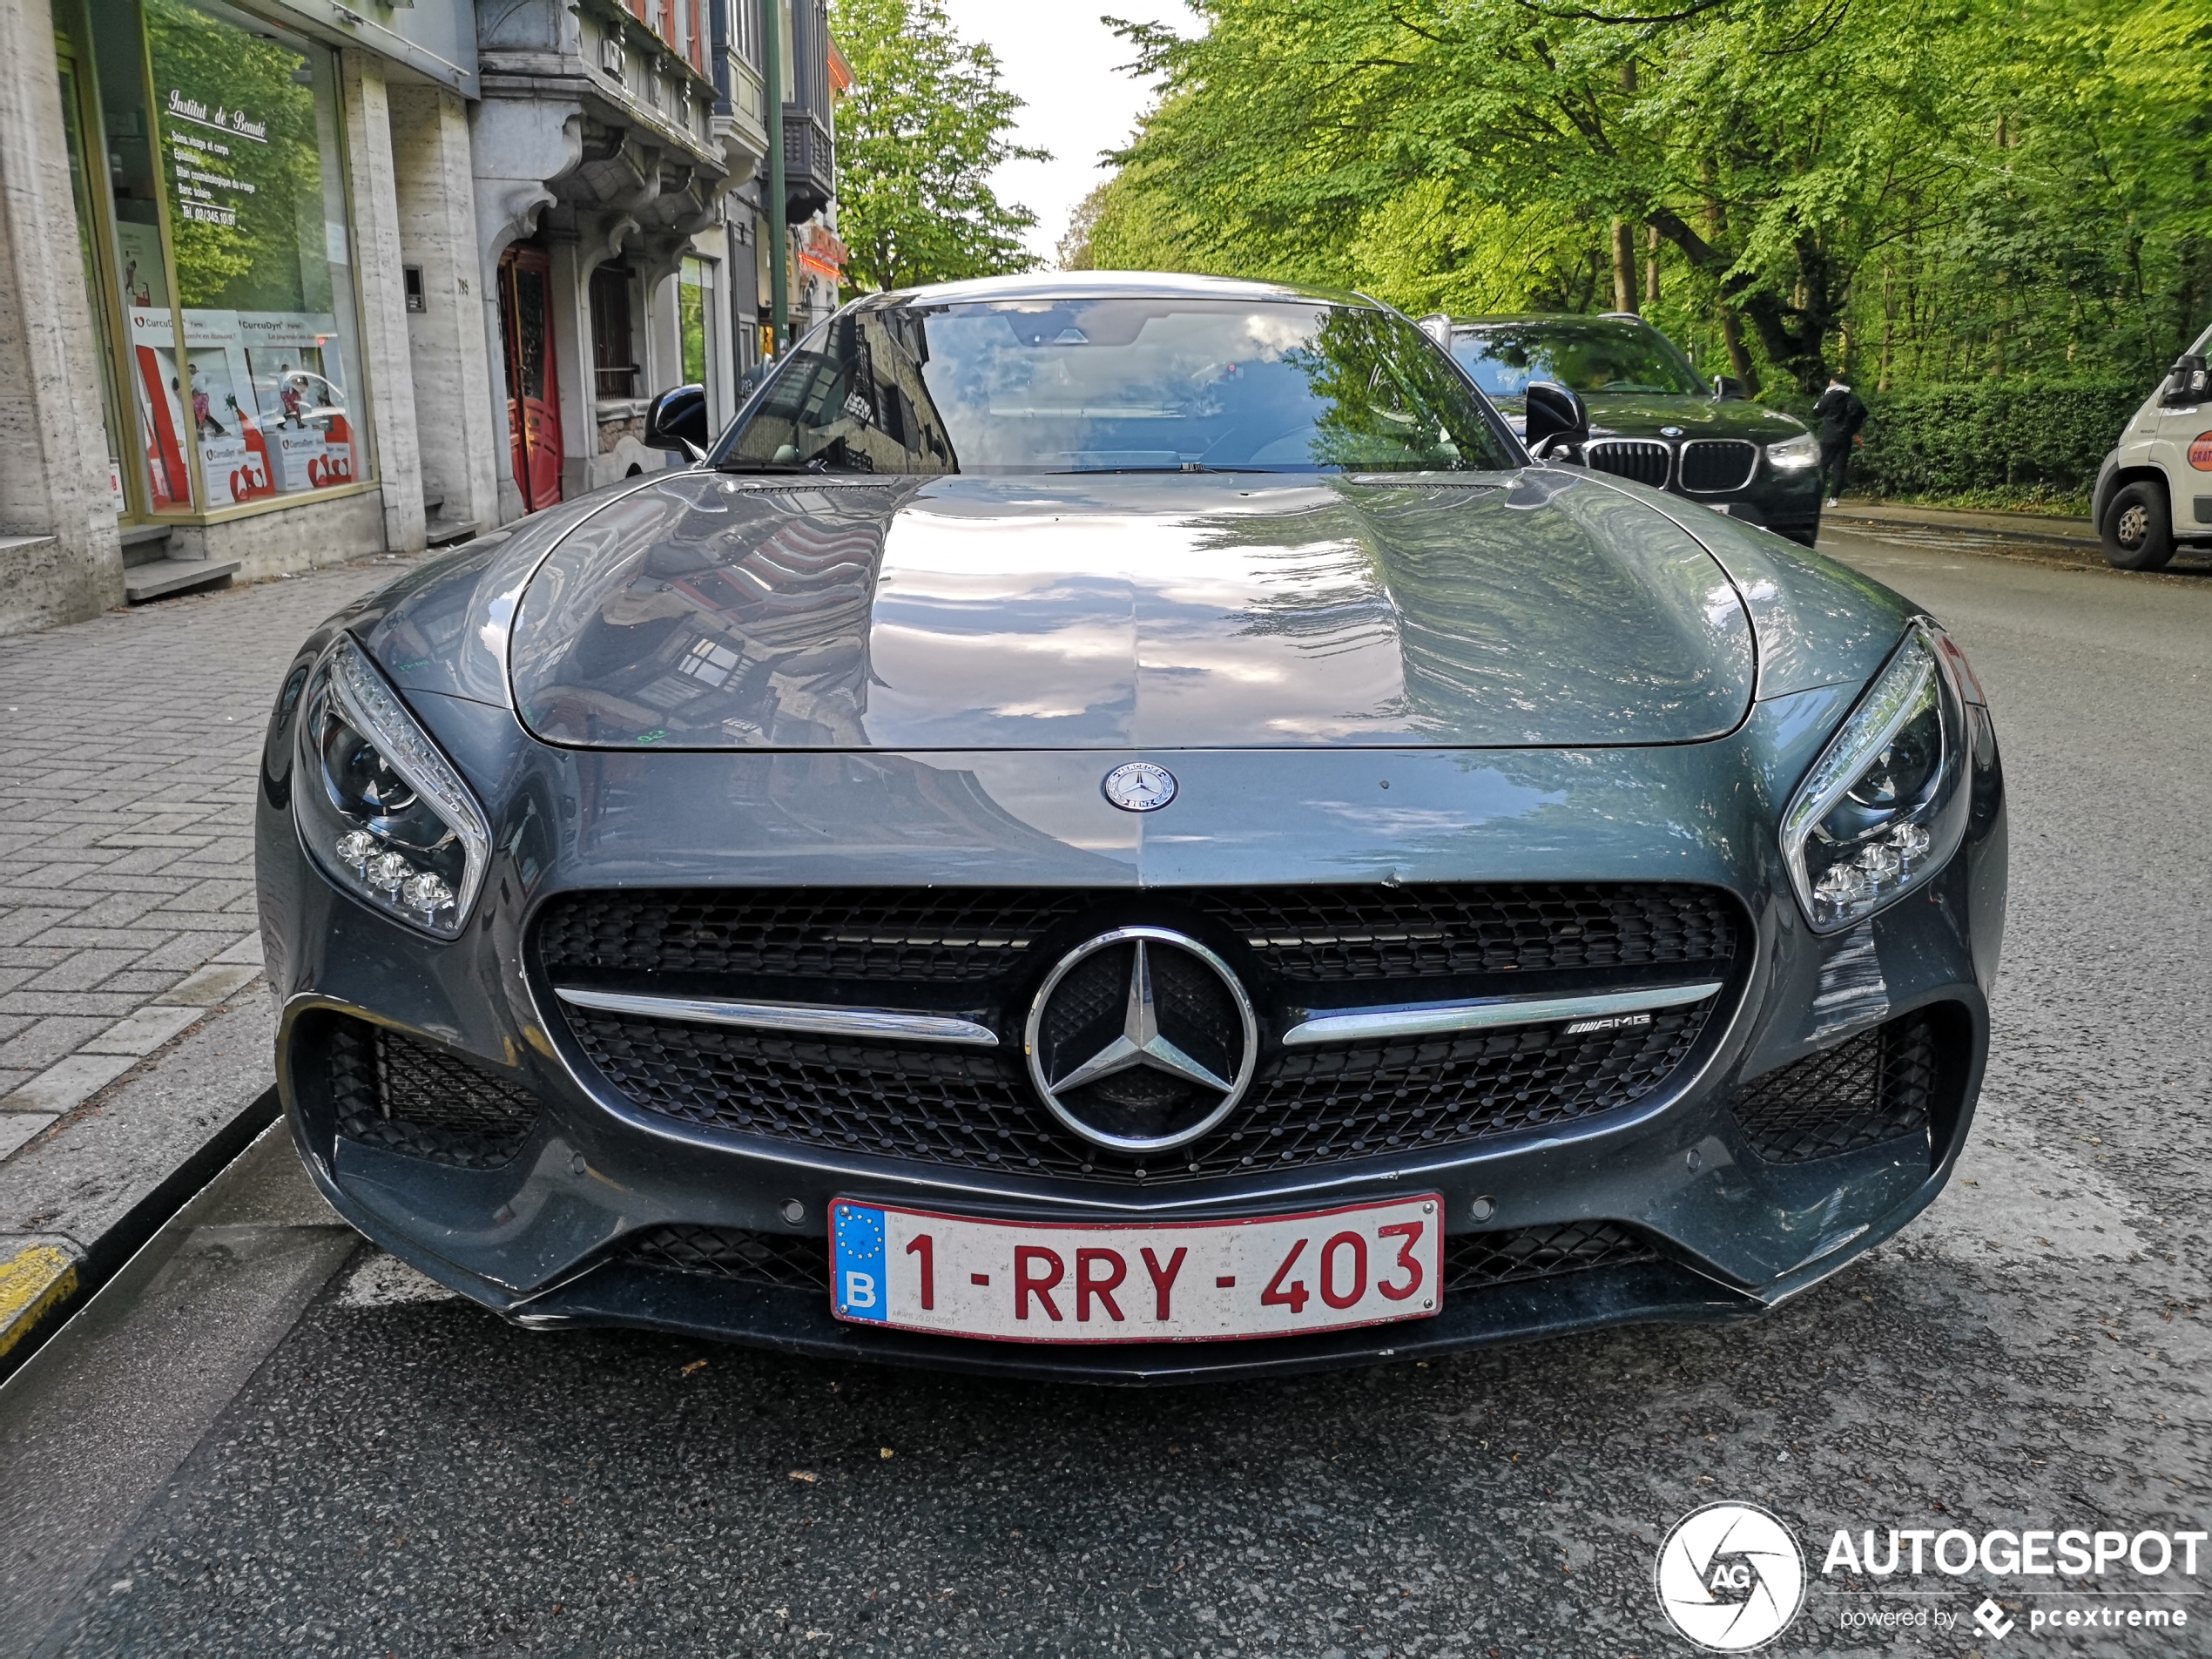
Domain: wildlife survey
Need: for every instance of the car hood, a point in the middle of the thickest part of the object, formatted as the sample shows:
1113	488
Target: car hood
1113	612
1698	417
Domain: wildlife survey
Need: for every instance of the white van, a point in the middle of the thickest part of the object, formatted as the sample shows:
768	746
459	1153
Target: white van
2155	489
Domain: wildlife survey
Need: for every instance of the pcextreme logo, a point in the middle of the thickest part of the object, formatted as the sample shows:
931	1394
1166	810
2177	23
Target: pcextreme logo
1730	1577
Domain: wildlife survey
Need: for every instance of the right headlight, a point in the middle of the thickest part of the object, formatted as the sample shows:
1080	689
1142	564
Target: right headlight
379	807
1882	807
1791	454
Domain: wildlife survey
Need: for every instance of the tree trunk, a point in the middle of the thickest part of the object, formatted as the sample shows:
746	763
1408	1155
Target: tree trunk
1739	358
1624	266
1651	265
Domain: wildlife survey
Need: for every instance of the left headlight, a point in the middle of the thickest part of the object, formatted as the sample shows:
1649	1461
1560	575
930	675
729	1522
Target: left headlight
1791	454
379	808
1882	807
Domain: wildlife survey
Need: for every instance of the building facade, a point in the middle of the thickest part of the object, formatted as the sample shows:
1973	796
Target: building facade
283	282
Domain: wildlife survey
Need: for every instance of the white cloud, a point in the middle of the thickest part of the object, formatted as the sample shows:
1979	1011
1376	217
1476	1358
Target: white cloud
1063	63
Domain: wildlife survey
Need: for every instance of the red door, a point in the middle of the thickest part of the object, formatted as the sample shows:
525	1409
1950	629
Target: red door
533	390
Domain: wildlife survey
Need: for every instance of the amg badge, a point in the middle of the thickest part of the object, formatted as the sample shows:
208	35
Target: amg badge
1611	1022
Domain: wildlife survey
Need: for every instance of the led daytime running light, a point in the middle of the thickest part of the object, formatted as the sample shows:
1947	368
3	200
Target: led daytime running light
364	701
1871	863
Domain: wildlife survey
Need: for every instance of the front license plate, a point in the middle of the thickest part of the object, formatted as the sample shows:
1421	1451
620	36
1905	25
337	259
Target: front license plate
1193	1281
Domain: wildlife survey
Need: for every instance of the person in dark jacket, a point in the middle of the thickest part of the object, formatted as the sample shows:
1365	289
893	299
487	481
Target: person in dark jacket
1840	414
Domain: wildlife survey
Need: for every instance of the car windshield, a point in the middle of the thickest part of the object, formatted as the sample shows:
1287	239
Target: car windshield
1117	385
1597	356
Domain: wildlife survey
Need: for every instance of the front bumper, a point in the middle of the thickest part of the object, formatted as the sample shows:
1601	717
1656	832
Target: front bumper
542	1237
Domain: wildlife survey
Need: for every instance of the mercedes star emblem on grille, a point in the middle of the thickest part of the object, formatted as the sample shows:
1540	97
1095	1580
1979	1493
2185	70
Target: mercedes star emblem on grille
1140	1039
1140	786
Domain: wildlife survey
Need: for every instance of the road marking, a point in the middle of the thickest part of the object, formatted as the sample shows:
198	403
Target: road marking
31	1282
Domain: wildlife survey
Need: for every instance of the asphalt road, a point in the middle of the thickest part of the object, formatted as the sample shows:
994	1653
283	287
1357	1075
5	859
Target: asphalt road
409	1476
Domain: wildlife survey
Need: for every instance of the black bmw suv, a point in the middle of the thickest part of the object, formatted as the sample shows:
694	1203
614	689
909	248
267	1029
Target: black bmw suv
1652	420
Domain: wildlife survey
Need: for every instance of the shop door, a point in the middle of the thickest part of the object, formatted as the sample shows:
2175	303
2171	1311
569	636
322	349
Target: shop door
533	390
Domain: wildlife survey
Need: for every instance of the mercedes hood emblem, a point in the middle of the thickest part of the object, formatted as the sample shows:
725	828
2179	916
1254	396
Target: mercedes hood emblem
1140	786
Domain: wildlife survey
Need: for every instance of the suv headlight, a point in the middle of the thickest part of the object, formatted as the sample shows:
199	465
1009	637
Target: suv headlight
1882	807
378	806
1791	454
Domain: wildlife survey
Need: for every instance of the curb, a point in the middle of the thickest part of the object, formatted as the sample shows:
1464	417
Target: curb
2012	527
36	1280
43	1283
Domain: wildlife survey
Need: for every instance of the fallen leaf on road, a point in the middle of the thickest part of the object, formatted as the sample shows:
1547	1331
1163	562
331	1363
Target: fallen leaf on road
696	1365
801	1474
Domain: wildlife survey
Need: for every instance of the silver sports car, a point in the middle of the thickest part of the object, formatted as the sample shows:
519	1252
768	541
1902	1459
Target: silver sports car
1119	827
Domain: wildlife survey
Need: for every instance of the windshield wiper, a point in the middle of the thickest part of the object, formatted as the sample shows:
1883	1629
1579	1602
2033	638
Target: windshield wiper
1188	466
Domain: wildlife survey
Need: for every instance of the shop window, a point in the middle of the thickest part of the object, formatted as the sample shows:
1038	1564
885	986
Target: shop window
697	319
231	255
613	359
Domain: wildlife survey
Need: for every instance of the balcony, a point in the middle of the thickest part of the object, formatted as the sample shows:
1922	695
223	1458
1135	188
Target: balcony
809	163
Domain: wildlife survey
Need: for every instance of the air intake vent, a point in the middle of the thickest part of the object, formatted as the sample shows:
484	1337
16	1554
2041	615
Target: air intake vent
391	1091
1878	1086
1474	1260
1643	461
790	1261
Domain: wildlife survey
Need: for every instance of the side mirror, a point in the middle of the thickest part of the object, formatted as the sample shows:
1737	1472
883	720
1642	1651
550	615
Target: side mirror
676	420
1438	327
1727	386
1557	420
2189	380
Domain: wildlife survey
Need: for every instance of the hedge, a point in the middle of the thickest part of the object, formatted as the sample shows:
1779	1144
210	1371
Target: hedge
1990	434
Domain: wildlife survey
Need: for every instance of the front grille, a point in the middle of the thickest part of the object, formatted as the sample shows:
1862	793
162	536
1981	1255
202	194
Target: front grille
1473	1261
389	1090
978	1111
1711	466
1642	460
976	935
1872	1088
793	1261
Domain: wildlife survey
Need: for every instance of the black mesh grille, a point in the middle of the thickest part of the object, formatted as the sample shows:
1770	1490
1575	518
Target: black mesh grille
791	1260
975	935
1338	934
1473	1260
817	932
1644	460
1711	465
390	1091
1875	1087
979	1111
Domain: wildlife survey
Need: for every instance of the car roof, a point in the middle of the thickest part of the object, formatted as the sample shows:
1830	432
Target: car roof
1582	318
1101	285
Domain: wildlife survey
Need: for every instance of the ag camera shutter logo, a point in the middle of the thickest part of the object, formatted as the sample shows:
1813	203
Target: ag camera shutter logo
1730	1577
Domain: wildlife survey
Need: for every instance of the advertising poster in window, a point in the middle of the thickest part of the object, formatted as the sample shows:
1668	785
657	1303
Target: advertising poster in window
257	227
159	385
300	406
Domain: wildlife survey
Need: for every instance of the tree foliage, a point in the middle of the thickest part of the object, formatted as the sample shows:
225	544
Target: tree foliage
1946	187
917	138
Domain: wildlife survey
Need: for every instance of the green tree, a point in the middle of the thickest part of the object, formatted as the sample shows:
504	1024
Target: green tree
1952	187
917	138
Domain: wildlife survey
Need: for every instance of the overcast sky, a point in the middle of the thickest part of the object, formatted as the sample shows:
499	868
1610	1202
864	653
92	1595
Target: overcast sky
1061	64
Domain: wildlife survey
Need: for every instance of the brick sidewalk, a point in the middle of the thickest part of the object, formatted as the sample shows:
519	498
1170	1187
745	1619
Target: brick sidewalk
127	767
